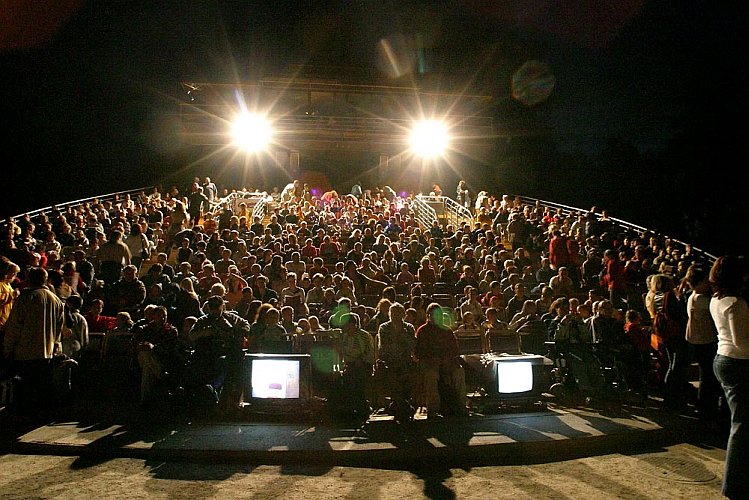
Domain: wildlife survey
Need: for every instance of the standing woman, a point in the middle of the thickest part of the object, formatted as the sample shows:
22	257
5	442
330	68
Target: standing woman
731	316
463	194
140	247
178	219
703	339
8	294
662	301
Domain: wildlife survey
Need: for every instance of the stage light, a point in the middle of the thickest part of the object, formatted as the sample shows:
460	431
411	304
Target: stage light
429	138
252	132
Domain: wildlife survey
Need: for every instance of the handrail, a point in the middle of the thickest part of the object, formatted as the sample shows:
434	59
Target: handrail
455	213
260	208
233	199
423	213
461	213
93	199
567	210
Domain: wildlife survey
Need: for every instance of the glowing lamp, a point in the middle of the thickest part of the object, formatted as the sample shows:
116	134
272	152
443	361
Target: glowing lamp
429	138
251	132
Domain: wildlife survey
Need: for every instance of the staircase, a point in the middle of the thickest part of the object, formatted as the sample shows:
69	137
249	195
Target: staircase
256	202
444	209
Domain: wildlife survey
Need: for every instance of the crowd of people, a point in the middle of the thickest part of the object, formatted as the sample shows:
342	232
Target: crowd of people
198	280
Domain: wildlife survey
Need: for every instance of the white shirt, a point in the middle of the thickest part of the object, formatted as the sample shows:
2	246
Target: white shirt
731	317
700	326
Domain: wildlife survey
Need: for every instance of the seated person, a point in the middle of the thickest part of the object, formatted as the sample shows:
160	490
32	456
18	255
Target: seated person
396	341
294	296
469	322
268	331
405	277
357	352
605	329
159	352
217	338
96	321
438	360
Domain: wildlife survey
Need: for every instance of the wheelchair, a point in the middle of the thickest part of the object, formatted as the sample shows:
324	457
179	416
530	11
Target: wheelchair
586	373
393	388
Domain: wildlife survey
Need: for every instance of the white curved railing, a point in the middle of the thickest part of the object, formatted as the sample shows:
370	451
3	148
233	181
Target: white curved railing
567	211
113	197
457	212
423	213
260	208
257	200
453	212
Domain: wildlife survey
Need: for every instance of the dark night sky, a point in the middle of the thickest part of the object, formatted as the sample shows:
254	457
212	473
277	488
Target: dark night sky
645	118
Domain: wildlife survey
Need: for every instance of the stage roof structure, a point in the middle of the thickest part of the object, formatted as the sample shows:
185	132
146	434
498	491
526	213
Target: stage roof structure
326	115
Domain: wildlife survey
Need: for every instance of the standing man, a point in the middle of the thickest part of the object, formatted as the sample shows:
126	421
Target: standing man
210	190
197	205
357	351
396	340
439	360
159	352
615	278
32	336
356	189
113	256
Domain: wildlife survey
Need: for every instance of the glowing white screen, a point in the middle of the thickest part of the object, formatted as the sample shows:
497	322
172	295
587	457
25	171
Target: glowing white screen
514	377
275	378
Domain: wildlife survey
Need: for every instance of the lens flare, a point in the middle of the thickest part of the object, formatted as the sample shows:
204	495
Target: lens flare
429	138
252	132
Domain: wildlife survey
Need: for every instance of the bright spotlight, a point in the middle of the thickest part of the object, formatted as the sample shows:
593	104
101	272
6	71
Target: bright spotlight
429	138
252	132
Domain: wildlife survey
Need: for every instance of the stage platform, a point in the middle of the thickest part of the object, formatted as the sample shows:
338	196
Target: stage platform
505	437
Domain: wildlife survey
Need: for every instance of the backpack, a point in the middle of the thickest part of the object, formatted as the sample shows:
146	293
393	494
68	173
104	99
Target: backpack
664	326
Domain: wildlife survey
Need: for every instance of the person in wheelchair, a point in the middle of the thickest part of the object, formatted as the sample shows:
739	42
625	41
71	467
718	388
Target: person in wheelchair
395	369
573	342
613	348
160	353
215	365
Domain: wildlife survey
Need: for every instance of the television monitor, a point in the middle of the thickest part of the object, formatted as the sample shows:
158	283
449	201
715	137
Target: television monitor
276	381
516	376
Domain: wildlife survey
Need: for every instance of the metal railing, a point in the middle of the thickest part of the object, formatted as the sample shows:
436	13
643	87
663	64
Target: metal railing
116	197
260	209
453	212
423	213
621	224
256	200
456	212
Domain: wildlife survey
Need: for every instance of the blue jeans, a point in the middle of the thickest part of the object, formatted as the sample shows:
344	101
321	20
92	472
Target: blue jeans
676	376
733	375
709	391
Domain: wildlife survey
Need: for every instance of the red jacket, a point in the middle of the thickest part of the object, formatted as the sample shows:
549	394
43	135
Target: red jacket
558	253
615	277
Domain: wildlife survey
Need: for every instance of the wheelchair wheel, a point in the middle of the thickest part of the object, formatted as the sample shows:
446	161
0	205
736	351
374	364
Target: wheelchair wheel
403	412
563	394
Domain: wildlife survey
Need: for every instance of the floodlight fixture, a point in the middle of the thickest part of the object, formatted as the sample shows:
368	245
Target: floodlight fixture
429	138
252	132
